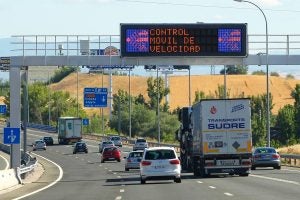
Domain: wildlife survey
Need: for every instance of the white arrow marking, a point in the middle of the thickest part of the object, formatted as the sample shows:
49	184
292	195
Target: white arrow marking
12	137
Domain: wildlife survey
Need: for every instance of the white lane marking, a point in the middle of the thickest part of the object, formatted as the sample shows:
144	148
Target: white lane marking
276	179
119	177
290	170
212	187
6	162
61	173
109	170
199	182
122	184
122	190
118	198
228	194
114	173
76	157
105	168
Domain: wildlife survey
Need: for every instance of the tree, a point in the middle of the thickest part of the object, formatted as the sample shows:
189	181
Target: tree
285	121
199	95
235	69
259	72
156	87
296	95
274	74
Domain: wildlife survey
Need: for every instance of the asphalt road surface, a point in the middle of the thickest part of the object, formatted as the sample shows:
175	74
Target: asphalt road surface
85	177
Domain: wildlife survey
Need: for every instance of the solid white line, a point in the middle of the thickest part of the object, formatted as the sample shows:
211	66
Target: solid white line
122	190
6	161
118	198
212	187
61	172
228	194
276	179
199	182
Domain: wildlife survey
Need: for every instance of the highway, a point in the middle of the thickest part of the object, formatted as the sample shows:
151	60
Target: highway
83	176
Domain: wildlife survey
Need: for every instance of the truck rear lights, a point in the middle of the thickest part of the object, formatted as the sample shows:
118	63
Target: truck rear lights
175	162
145	163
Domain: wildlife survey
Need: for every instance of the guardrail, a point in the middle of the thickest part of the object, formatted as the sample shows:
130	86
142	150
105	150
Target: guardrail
47	128
291	159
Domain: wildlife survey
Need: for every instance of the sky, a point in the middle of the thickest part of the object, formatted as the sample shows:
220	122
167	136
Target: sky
103	17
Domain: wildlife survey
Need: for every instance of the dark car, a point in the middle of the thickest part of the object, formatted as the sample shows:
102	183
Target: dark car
80	147
265	157
111	153
48	140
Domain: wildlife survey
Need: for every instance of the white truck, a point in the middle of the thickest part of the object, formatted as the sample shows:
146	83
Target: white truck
69	129
218	137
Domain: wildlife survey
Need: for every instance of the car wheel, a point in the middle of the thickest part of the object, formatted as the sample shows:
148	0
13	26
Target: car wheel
177	180
102	161
74	152
119	160
126	169
143	181
252	168
244	174
277	167
86	151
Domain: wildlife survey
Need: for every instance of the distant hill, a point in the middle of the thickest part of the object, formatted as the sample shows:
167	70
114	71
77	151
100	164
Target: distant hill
237	84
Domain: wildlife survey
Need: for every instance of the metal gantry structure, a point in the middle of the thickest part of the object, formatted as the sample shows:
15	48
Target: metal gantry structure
89	50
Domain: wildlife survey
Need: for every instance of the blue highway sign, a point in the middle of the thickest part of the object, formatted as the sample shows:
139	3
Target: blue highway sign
11	136
85	121
2	109
95	97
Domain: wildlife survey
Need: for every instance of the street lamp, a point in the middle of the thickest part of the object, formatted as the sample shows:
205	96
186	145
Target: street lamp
267	68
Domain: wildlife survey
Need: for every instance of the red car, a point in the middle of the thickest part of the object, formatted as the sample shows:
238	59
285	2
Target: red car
111	153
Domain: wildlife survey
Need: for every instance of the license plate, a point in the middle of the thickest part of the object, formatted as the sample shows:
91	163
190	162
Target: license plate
227	162
159	167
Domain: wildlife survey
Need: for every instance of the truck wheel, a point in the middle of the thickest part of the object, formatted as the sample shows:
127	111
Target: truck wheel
196	169
143	181
252	168
126	169
244	174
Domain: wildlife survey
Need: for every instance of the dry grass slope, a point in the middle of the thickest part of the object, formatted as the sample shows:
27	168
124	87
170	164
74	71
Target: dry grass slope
237	84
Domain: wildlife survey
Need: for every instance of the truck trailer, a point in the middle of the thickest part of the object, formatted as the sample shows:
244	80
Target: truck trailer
215	137
69	130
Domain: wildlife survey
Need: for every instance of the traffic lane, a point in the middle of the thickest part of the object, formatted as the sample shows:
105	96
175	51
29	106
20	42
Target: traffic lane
254	187
50	175
4	163
83	175
286	173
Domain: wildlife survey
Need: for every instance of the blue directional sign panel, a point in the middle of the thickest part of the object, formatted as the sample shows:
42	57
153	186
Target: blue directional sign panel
11	136
85	121
95	97
2	109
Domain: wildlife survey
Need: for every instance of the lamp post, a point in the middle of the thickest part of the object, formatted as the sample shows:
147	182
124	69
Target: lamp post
267	69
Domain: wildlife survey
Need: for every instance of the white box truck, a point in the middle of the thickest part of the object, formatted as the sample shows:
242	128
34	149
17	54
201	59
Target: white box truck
69	130
217	138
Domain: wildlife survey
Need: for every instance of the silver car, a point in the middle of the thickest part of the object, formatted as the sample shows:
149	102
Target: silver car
116	140
132	161
160	163
104	144
265	157
140	144
38	144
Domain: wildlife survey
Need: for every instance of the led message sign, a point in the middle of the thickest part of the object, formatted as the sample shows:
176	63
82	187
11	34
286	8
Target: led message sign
138	40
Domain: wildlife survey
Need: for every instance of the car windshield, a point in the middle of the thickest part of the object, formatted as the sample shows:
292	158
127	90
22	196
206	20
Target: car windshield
265	150
160	154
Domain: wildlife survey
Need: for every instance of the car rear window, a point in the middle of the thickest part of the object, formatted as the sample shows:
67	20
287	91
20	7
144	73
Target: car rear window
110	148
160	154
140	140
265	150
136	154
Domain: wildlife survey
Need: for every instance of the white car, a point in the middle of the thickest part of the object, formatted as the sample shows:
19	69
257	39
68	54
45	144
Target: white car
160	163
140	144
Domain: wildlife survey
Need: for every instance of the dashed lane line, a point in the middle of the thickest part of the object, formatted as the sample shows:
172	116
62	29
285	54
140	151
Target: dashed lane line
118	198
199	182
122	190
228	194
212	187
